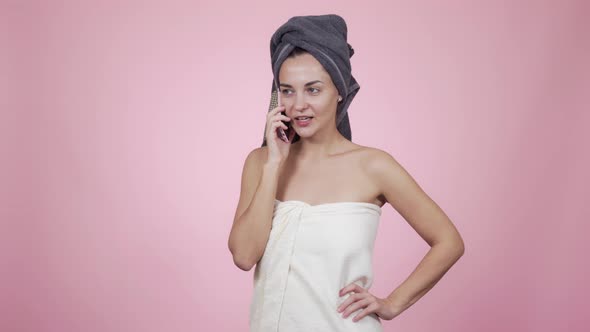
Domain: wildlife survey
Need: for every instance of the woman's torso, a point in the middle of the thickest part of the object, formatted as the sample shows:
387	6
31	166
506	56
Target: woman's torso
324	226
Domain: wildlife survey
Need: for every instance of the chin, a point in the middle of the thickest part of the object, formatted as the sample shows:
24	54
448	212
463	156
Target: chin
304	133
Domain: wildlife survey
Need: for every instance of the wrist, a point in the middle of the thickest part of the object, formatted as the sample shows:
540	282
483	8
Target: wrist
272	165
396	304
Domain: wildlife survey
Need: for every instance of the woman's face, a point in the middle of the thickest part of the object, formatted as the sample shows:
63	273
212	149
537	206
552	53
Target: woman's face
307	90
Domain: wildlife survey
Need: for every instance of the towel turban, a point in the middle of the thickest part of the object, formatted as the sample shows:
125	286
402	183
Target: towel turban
325	38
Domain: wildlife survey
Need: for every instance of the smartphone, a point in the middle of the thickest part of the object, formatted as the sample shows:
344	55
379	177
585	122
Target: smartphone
280	132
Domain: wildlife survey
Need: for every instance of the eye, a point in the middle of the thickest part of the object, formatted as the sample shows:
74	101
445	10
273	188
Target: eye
312	90
285	91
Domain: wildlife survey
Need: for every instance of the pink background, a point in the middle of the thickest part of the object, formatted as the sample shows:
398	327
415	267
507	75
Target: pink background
125	125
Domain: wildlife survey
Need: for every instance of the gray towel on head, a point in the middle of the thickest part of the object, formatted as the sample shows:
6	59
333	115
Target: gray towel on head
324	37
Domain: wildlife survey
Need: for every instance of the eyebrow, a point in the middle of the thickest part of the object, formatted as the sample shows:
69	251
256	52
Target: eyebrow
306	84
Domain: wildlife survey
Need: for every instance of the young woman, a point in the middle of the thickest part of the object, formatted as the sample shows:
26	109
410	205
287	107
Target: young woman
310	204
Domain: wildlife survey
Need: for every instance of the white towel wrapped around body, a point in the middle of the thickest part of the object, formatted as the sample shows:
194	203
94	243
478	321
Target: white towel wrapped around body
314	251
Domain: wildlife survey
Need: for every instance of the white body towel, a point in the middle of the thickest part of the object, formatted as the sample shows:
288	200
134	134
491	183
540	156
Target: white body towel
314	251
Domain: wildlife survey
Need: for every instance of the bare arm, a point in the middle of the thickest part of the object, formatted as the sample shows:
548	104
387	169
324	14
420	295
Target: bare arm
428	220
252	221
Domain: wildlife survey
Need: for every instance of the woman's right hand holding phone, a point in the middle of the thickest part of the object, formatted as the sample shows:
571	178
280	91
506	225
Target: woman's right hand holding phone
278	150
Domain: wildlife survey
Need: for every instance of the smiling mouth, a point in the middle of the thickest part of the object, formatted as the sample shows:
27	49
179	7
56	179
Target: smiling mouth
303	121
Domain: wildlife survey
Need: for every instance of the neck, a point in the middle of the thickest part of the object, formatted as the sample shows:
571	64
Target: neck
318	148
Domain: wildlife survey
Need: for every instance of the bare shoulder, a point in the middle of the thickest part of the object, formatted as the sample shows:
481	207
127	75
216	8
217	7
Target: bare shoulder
258	153
375	160
257	157
386	173
253	164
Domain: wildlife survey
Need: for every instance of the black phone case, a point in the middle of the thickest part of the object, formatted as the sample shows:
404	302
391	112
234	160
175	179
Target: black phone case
274	102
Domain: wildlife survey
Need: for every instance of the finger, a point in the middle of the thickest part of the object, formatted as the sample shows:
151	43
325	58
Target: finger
277	109
278	124
284	117
351	288
356	306
278	116
368	310
359	289
352	298
281	118
273	129
345	290
282	125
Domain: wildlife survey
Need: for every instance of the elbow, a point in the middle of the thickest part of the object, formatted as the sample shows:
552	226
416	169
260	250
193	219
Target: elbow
456	242
459	247
454	246
460	251
243	257
242	263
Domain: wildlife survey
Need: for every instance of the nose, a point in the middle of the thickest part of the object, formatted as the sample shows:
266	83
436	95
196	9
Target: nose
300	103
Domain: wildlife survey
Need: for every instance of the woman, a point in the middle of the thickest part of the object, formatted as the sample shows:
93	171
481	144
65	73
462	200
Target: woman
310	203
